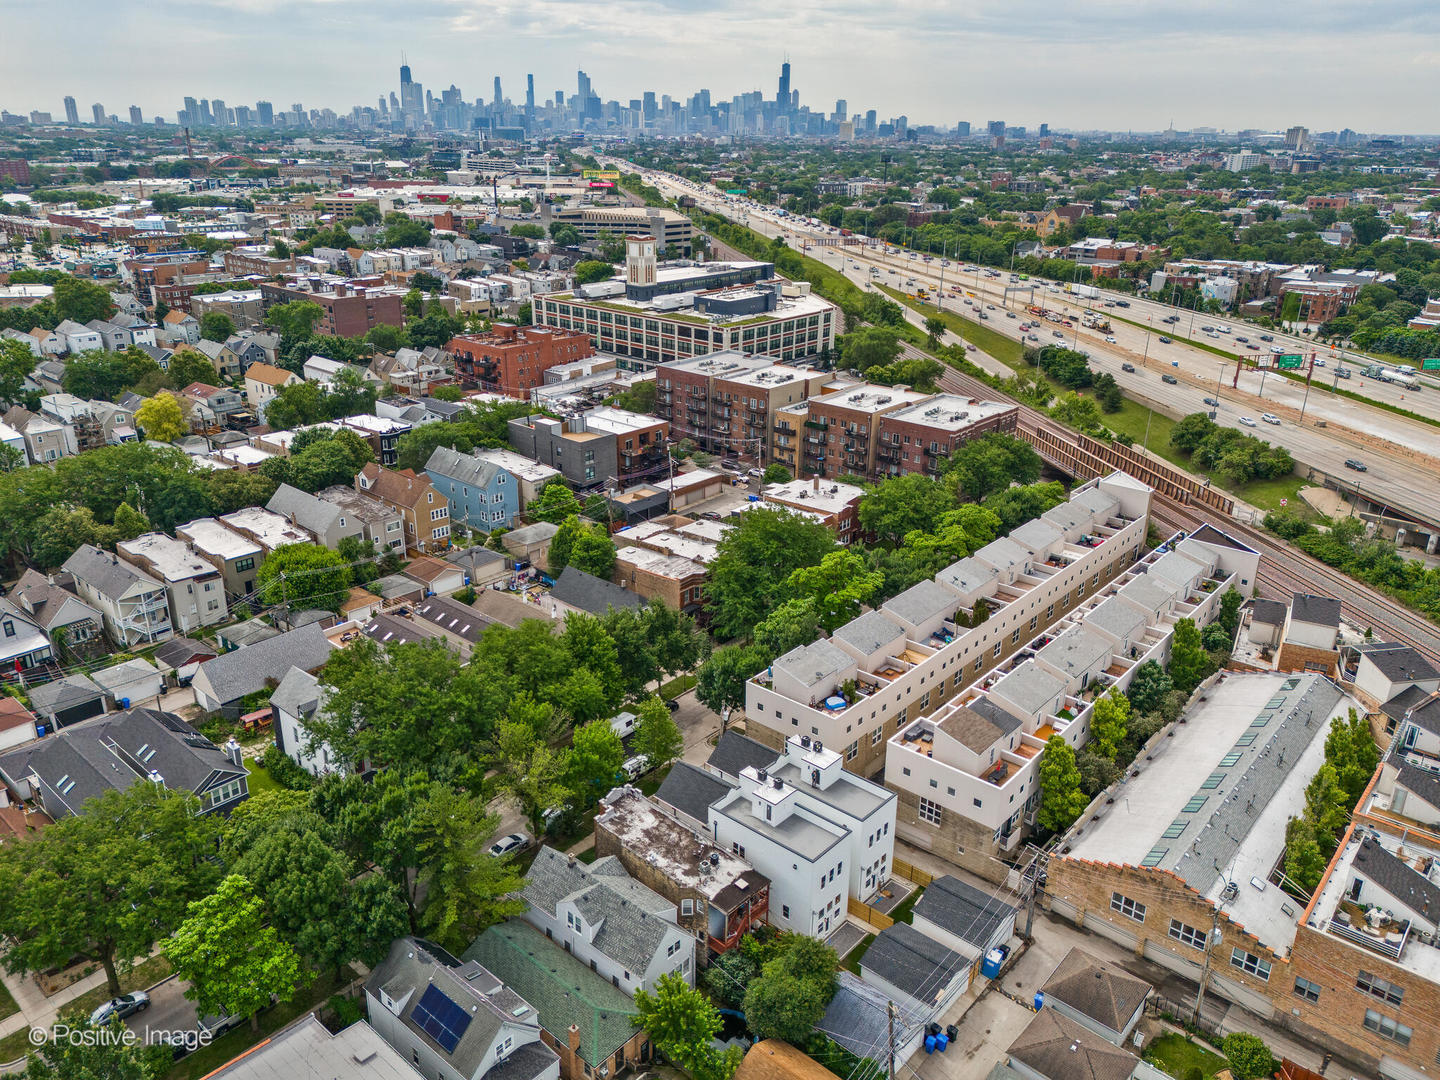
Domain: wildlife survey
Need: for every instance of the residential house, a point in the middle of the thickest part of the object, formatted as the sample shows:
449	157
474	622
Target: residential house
413	371
17	724
440	577
180	327
24	643
604	917
530	475
1310	641
236	556
306	1050
575	590
480	565
220	684
455	1020
915	971
10	334
382	433
11	438
82	762
67	701
79	338
603	447
226	364
45	439
180	657
295	702
210	405
424	510
459	624
399	628
584	1018
480	494
66	619
958	916
193	585
50	343
134	606
263	381
329	522
266	528
717	895
774	1059
530	544
254	347
1054	1047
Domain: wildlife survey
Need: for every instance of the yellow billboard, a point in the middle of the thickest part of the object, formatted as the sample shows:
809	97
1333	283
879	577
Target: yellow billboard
600	174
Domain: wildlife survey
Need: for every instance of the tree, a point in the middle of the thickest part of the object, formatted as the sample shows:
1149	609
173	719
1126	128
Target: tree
188	366
596	754
564	234
233	961
791	624
122	871
594	553
216	326
934	329
590	271
791	992
527	231
1304	860
1229	616
1109	722
776	473
1247	1055
838	586
1350	749
387	338
900	505
81	301
296	319
1189	662
721	679
554	504
1062	797
96	374
869	346
1017	505
161	418
129	522
1148	687
16	363
753	564
304	576
528	767
657	736
1096	772
683	1023
991	464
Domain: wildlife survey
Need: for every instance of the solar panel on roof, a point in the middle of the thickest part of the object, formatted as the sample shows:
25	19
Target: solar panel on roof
1229	759
1275	703
1195	803
1246	739
1260	721
440	1018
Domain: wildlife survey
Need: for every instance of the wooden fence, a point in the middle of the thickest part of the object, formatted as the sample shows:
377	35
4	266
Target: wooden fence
867	914
902	869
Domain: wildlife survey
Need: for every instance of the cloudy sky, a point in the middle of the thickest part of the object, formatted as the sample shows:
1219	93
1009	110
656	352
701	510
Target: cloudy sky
1116	64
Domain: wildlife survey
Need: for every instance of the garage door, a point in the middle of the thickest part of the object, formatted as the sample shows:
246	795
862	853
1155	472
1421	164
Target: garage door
1106	928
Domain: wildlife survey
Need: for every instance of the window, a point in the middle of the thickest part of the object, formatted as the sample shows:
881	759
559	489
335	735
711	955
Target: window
1306	989
1250	964
852	751
1174	831
1187	935
1387	1028
1131	909
244	564
1378	988
1194	805
673	949
929	811
687	907
877	734
784	911
996	652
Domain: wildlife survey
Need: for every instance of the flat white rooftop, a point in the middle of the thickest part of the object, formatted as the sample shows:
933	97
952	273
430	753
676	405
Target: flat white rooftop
213	538
828	498
169	558
950	412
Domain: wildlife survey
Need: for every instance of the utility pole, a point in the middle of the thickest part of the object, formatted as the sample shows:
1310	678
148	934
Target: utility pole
890	1012
1205	971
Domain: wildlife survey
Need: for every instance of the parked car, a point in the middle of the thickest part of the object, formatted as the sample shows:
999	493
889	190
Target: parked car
1247	421
1168	378
1128	367
125	1005
509	845
1270	418
636	766
1356	464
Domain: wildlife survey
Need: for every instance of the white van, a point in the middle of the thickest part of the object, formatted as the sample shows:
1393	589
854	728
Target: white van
1276	349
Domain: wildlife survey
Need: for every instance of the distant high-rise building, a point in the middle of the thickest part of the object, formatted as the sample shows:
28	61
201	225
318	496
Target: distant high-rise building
530	93
97	111
220	113
265	112
648	106
499	97
136	117
206	117
995	127
782	96
242	116
582	87
38	117
870	121
1297	138
191	114
405	79
962	129
1044	131
72	113
840	107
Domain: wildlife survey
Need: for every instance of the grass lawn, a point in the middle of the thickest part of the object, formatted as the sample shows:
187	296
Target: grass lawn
1008	352
651	781
902	912
234	1043
589	855
1177	1055
260	778
7	1003
852	962
677	686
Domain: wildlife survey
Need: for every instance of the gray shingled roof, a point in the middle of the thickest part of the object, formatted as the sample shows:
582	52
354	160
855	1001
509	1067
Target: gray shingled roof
870	632
691	790
1107	994
735	751
856	1016
52	697
1399	663
590	593
1058	1048
1076	650
813	663
922	602
456	618
979	725
462	468
965	911
967	575
1408	702
1422	783
108	574
1319	610
1268	612
298	694
1391	875
912	963
304	509
232	675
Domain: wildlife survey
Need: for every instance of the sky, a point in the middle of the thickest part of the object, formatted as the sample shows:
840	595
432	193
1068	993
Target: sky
1093	64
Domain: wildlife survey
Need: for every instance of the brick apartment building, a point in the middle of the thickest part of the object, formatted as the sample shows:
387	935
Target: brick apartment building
349	308
841	429
602	447
1326	202
16	169
512	360
257	260
917	438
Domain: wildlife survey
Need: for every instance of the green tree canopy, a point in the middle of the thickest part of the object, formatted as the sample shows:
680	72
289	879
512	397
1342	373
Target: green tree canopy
753	564
1062	796
304	576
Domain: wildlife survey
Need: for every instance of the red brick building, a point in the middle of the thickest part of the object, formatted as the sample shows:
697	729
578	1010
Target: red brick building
917	438
350	308
16	169
1326	202
512	360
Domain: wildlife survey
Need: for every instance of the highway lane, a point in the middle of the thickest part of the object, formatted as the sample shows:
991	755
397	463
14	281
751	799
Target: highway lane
1352	429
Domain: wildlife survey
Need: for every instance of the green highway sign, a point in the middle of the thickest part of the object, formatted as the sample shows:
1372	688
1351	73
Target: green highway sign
1431	364
1291	360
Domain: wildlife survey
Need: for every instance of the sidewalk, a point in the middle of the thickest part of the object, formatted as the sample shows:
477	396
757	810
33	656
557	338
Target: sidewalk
36	1010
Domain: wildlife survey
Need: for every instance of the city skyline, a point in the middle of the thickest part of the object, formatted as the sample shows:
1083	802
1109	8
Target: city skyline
1018	61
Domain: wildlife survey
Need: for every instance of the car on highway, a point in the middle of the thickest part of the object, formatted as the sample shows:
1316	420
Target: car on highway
1356	464
1247	421
969	347
1168	378
1267	337
1207	329
1171	319
1253	347
1110	338
1164	340
1270	418
1319	363
1009	315
1058	333
1128	367
1242	340
1342	373
509	845
1033	337
1122	303
1212	402
990	307
125	1005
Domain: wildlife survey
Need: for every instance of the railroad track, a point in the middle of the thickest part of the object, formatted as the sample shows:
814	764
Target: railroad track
1284	569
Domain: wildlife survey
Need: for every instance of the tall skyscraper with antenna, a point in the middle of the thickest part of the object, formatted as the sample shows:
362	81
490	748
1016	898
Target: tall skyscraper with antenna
782	97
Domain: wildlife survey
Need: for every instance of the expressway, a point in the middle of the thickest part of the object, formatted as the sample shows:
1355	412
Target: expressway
1402	455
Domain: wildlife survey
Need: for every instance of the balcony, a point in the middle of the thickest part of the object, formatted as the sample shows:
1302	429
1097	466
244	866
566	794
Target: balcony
819	425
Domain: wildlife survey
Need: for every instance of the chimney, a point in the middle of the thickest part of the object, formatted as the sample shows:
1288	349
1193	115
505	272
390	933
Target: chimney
339	288
156	779
574	1034
815	484
232	751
